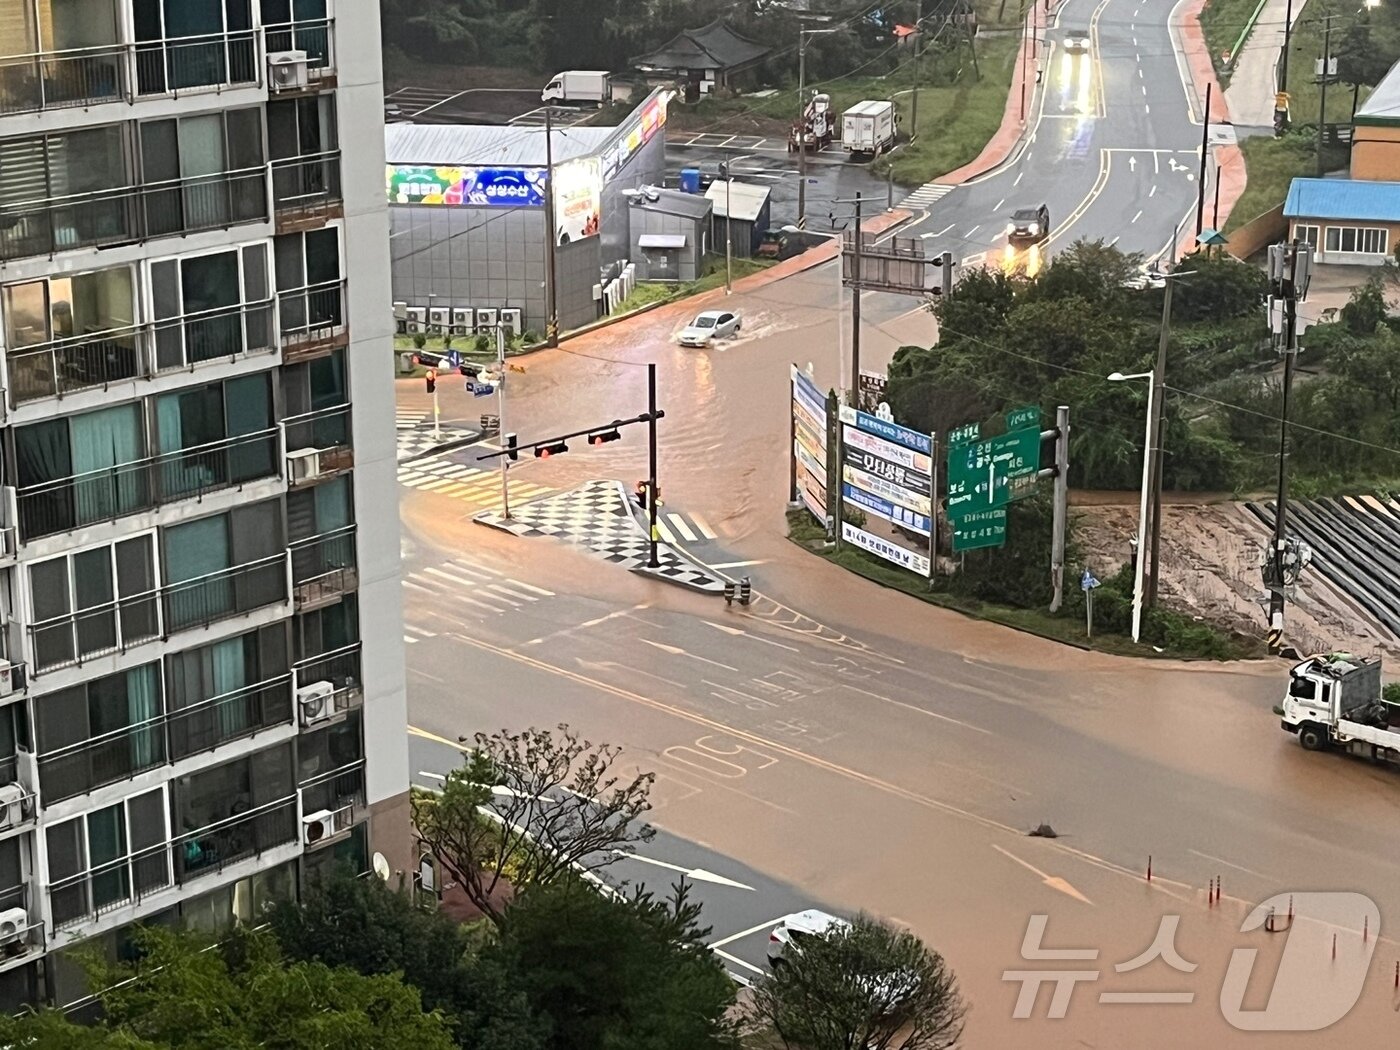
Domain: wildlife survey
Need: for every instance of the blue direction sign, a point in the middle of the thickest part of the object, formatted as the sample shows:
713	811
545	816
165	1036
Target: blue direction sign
1087	581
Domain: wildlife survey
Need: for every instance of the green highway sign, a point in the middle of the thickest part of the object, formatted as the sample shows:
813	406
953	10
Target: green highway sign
982	528
1021	418
963	434
980	473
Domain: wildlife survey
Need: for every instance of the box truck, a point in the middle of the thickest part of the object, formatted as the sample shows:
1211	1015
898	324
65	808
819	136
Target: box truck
1335	702
868	128
578	87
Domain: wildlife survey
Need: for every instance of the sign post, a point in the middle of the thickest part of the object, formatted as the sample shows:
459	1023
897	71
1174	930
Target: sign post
1087	583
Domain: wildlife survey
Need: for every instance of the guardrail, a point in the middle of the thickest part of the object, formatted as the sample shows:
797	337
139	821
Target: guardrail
323	567
303	187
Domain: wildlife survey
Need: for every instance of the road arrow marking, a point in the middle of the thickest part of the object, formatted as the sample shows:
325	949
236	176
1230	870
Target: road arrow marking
694	874
757	638
676	651
1132	164
1053	881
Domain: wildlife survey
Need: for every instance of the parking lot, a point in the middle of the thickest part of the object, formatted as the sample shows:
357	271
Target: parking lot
470	106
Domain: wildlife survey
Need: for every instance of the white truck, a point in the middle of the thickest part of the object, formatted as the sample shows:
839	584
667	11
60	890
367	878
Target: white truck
579	86
868	127
1334	702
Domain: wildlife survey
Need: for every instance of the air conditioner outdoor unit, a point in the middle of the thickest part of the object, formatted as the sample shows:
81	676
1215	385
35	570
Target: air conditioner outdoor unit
13	924
512	317
12	799
314	702
417	318
486	318
303	464
439	317
463	320
7	678
401	318
286	71
317	827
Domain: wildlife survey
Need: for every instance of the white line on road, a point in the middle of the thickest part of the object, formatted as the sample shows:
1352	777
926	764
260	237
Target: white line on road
678	523
737	564
1152	192
1147	109
757	638
999	204
501	588
432	776
738	961
1053	881
974	229
531	587
410	640
1137	216
1138	60
941	232
703	526
1113	242
1019	176
466	577
697	874
1237	867
676	651
745	933
918	710
1156	163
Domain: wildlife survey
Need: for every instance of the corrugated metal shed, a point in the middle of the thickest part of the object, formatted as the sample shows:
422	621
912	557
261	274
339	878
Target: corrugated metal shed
746	198
673	202
487	145
1382	106
1343	199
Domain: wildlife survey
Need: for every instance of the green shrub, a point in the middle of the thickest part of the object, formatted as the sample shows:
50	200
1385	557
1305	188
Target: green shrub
483	342
1391	693
420	340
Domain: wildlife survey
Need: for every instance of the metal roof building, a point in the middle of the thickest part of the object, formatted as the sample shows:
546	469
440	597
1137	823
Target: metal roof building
750	204
1375	131
452	144
1347	221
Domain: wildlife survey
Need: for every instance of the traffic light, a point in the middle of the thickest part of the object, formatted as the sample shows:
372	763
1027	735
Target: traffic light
601	437
512	452
555	449
431	377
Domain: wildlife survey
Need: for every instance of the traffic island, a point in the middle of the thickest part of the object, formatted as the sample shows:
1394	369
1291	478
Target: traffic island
598	516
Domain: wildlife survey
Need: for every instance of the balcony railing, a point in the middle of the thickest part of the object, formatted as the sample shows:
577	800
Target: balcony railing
221	334
326	429
304	187
311	317
32	935
168	737
338	790
127	880
81	76
341	668
224	594
315	36
132	213
323	568
99	630
104	495
210	60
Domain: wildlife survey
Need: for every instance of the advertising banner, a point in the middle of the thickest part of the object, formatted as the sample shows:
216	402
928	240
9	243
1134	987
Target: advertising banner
911	481
887	450
466	186
633	135
905	559
883	508
879	487
911	439
578	199
809	446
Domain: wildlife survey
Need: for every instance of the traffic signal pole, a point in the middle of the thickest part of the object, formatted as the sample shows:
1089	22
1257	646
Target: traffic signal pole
652	416
501	416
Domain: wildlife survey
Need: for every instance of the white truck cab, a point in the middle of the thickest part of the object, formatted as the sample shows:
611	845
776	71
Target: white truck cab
1334	701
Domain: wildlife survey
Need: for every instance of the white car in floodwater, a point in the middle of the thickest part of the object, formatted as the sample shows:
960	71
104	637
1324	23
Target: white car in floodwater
709	325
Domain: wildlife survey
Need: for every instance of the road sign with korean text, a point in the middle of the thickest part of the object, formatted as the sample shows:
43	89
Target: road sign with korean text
981	528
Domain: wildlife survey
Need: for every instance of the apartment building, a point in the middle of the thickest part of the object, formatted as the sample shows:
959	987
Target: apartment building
202	695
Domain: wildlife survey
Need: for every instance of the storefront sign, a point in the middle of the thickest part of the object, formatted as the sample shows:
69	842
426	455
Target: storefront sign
887	450
913	481
578	199
466	186
911	439
883	508
905	559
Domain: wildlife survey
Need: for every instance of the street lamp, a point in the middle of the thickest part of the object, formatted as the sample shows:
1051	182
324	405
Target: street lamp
1119	377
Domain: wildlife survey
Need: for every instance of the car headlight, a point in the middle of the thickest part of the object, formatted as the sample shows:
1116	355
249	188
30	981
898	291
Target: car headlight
1035	229
1010	227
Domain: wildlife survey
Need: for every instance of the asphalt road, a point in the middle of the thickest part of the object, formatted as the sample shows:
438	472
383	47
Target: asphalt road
740	905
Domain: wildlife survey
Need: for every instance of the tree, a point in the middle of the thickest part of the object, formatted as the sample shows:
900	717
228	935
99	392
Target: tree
183	994
51	1030
558	804
613	972
865	986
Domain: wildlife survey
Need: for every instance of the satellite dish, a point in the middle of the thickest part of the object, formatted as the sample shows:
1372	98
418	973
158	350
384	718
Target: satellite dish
381	866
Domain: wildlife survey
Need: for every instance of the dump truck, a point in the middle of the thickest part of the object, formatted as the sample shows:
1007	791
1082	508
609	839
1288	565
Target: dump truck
1334	702
868	128
578	86
814	130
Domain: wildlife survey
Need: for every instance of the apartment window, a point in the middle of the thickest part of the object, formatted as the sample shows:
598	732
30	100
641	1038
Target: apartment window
210	306
63	191
350	854
301	127
227	690
193	43
327	629
93	602
330	766
216	435
1307	235
224	565
324	510
99	732
235	811
308	280
315	400
205	171
67	979
65	333
74	67
107	858
1362	240
80	469
245	901
298	25
14	733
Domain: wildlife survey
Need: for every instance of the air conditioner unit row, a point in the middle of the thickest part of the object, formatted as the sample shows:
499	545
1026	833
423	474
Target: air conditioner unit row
315	702
416	318
287	71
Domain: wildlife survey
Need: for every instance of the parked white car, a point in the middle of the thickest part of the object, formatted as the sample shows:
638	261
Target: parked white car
709	325
794	930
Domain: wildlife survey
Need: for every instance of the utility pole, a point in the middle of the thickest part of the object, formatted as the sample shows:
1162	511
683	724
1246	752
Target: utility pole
802	129
728	227
653	494
1154	441
917	39
1290	269
1324	75
1287	40
1060	518
855	306
551	239
1201	182
971	45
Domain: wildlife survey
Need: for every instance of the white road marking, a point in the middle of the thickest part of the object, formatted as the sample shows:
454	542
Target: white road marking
704	527
679	523
756	637
453	578
530	587
1147	109
1152	192
918	710
1053	881
410	640
974	229
433	486
738	961
676	651
745	933
999	204
1237	867
1019	176
1113	242
696	874
740	564
501	588
1137	216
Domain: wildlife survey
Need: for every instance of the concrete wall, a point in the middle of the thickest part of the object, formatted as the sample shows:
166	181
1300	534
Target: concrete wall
1257	234
1375	153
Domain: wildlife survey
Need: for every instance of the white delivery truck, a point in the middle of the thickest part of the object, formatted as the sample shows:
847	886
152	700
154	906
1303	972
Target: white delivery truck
868	128
578	86
1334	701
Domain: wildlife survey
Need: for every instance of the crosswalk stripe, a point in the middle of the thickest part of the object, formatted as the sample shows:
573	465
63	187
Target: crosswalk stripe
433	486
472	566
530	587
484	605
704	527
680	526
410	640
469	580
421	632
456	471
663	531
501	597
418	586
453	490
503	589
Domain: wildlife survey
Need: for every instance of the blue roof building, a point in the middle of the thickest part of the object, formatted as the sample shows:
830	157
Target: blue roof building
1347	221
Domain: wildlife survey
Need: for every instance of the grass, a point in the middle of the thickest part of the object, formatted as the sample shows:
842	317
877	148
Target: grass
1271	164
649	292
804	531
1222	22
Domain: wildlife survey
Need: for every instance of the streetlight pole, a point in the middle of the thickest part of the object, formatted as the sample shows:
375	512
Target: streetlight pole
802	129
915	39
501	414
728	228
551	284
1118	377
652	494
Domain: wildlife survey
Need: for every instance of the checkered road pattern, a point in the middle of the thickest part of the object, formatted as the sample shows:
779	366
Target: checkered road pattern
597	517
